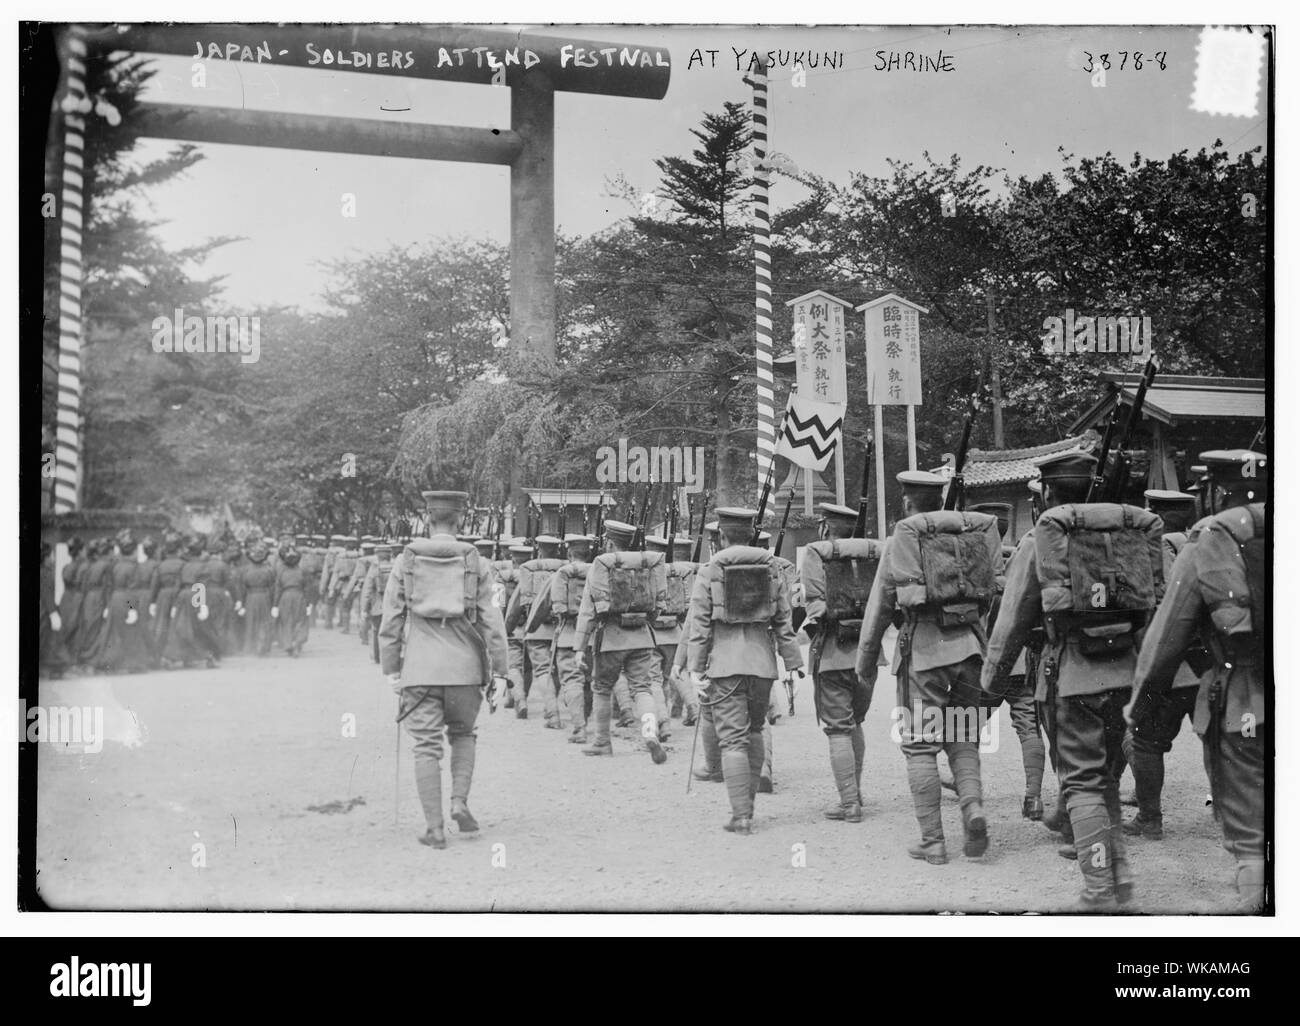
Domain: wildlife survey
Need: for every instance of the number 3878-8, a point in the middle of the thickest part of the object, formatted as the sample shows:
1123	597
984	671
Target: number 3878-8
1135	58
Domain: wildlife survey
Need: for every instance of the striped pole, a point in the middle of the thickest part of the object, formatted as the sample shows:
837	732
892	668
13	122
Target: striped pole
766	448
67	446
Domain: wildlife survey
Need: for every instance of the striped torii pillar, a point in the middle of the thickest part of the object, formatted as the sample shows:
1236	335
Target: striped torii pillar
766	448
67	446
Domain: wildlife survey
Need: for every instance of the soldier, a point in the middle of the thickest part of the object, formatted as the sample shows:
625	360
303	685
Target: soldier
289	601
521	677
624	594
937	569
766	780
356	583
1091	575
740	603
668	628
340	580
710	770
534	576
256	586
372	592
837	574
441	642
1145	747
1017	691
561	602
324	591
1219	589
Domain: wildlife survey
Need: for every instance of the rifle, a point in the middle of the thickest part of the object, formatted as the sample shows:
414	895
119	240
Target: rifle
860	526
780	536
499	513
671	526
600	516
956	497
690	516
1116	482
638	539
564	514
699	538
1098	485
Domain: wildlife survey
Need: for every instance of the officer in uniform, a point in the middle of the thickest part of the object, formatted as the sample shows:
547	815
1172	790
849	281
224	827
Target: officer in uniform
440	665
738	657
1227	557
1146	746
537	641
622	645
840	698
559	602
936	665
521	677
1083	688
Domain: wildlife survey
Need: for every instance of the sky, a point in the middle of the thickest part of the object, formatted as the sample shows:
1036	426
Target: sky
1012	98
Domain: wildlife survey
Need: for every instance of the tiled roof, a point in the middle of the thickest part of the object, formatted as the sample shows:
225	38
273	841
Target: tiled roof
986	467
1173	398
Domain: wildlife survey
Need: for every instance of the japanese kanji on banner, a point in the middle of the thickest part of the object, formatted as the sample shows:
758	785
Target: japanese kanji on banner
810	432
892	329
818	325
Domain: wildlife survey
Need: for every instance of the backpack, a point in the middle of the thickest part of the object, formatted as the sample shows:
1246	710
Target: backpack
627	583
745	587
681	582
566	589
947	561
532	575
850	565
1230	564
441	579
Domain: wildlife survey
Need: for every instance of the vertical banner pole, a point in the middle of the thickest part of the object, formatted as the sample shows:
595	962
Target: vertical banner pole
766	447
67	446
808	493
839	471
878	416
911	437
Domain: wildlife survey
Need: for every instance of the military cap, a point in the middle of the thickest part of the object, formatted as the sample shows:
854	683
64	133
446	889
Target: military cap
351	541
1236	467
1035	486
484	544
445	502
834	511
367	548
657	542
1159	498
383	548
302	539
620	531
1071	465
920	482
581	541
319	539
736	516
1001	510
469	539
521	550
764	539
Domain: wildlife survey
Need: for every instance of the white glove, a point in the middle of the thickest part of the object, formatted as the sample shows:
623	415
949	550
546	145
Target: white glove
56	621
153	608
275	612
131	616
105	616
309	610
203	612
239	608
395	682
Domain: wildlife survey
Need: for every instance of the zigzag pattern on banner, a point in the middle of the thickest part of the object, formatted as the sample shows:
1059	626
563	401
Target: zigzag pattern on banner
812	433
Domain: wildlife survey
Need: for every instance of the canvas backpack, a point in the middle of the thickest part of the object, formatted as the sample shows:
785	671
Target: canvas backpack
850	566
532	576
1101	569
441	579
681	582
627	585
566	589
1231	559
744	585
946	561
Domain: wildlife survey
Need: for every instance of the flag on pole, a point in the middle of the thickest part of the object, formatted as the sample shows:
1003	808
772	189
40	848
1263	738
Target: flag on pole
811	432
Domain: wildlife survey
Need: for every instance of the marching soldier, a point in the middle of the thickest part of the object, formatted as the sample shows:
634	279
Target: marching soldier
1147	745
1219	589
441	643
332	554
372	592
710	770
937	570
521	677
534	576
1091	576
1018	692
311	561
837	574
561	602
356	583
668	628
740	602
624	594
340	580
766	780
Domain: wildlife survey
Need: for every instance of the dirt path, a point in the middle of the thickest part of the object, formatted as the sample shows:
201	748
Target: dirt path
249	769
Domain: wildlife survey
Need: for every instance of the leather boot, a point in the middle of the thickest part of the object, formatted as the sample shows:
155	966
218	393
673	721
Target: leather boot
1148	783
859	753
763	776
577	719
923	781
645	708
735	771
600	715
428	785
964	758
1092	845
844	771
1123	872
463	751
1251	880
709	744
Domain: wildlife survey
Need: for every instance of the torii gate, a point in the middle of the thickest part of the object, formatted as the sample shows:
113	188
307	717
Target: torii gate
533	67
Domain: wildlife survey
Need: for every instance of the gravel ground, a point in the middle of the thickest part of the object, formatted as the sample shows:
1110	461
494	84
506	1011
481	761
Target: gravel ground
248	770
